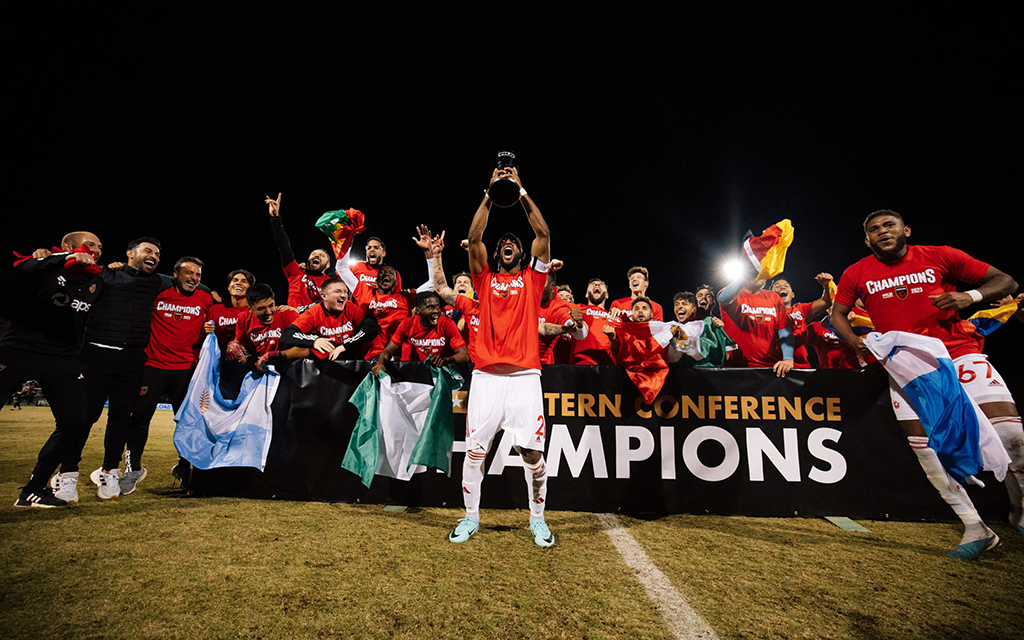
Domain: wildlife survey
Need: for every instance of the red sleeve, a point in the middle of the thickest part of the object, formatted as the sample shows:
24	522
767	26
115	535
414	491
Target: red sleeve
847	292
401	334
450	331
963	266
292	270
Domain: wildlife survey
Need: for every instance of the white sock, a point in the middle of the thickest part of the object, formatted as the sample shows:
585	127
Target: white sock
1012	435
536	488
472	478
951	491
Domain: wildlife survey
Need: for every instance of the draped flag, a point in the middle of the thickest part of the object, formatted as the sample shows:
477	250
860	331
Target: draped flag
642	351
403	427
988	320
767	252
215	432
962	437
341	227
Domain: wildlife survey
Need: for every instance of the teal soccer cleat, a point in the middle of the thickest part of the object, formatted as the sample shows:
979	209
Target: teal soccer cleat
541	534
972	550
464	530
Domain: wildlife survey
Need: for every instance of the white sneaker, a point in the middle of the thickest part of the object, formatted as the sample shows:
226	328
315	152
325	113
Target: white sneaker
65	486
107	483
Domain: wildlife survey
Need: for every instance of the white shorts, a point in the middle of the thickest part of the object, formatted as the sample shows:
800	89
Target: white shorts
981	380
512	402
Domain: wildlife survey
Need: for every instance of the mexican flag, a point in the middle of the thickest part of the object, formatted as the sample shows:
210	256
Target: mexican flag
341	227
644	351
767	252
403	427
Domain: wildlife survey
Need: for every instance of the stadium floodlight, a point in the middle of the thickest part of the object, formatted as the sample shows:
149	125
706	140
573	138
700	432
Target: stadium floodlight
733	269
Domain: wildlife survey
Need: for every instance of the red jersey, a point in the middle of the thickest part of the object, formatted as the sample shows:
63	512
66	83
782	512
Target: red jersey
337	328
896	294
390	309
799	317
303	288
442	340
470	310
509	308
556	311
258	338
366	274
224	319
753	321
596	348
176	328
833	352
626	306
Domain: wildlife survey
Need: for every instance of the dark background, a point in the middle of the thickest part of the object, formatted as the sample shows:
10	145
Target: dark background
654	140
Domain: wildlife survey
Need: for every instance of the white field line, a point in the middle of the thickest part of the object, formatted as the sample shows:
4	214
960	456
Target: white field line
683	622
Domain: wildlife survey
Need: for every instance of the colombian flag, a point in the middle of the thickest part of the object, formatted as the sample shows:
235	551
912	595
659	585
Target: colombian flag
767	252
341	227
988	320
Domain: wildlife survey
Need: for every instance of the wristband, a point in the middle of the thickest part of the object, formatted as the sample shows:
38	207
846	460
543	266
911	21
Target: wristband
522	192
975	295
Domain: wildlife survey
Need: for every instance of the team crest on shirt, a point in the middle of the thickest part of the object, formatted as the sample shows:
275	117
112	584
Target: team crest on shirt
759	317
178	315
143	390
901	292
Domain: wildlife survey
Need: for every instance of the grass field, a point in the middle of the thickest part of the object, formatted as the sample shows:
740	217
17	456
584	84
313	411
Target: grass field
156	564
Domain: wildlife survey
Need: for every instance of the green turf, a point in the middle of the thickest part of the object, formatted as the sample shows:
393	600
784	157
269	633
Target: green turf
157	564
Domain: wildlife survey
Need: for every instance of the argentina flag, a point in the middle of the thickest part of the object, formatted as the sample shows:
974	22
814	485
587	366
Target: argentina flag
215	432
963	438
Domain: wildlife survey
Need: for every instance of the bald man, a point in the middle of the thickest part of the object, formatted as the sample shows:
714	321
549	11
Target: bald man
54	292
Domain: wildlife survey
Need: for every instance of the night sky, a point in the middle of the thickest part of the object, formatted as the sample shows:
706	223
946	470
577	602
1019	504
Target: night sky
656	142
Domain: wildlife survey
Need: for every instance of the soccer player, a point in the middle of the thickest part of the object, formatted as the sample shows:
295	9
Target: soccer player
334	328
259	329
638	282
559	321
366	271
565	293
912	288
505	392
41	341
800	314
596	348
432	336
756	319
464	303
707	303
685	307
223	316
305	280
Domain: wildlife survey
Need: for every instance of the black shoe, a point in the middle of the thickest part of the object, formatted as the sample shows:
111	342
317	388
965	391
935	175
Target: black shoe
42	498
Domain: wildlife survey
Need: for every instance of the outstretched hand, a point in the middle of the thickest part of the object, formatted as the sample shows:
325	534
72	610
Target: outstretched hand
437	245
422	239
274	205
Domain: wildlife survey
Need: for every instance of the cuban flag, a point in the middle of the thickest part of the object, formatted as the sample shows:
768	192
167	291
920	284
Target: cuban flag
215	432
958	431
767	252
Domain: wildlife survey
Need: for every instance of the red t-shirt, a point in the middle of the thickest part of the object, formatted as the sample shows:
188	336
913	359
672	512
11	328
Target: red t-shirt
303	288
799	317
258	338
596	348
626	306
833	352
753	321
509	308
366	273
442	340
337	328
176	328
390	309
470	310
556	311
896	294
224	319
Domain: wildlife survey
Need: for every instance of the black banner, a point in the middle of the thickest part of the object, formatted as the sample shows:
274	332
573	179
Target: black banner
732	441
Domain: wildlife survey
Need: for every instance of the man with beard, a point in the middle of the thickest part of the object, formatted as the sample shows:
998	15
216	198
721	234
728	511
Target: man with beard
757	321
334	328
305	280
505	392
382	297
802	313
366	271
638	282
41	341
176	331
912	288
431	336
596	348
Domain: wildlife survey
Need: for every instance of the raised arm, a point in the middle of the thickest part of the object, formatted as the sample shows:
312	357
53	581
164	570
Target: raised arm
477	251
541	247
284	245
424	241
841	325
822	304
994	285
440	281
